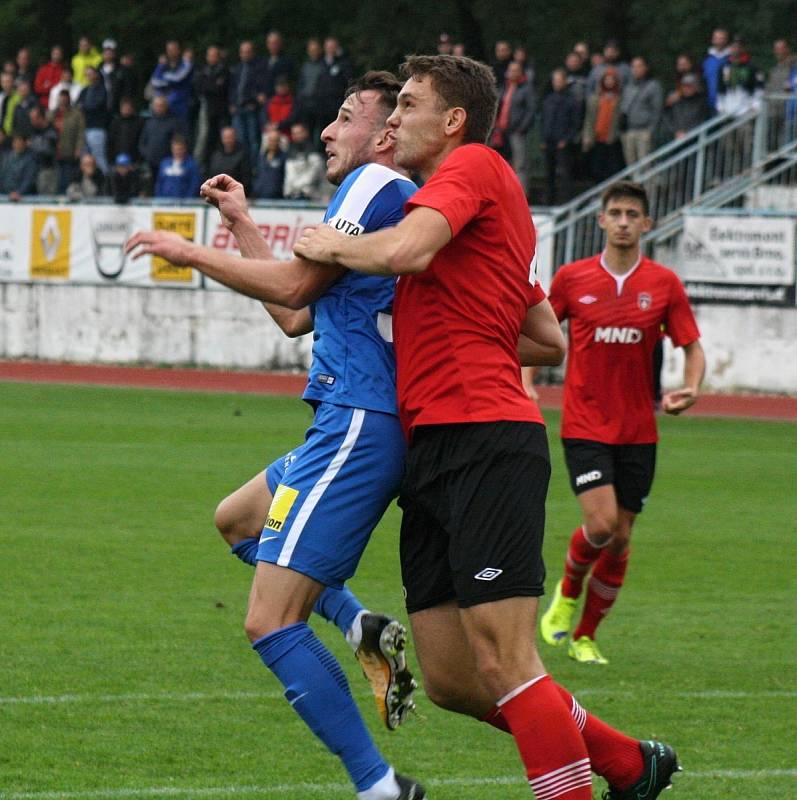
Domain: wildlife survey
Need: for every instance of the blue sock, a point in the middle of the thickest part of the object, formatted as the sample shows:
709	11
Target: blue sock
339	606
318	691
246	550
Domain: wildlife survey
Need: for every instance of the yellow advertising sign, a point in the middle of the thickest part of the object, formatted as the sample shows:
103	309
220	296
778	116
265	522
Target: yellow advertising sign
50	240
184	224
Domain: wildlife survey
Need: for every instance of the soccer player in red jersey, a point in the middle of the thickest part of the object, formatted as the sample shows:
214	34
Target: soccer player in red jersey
478	467
615	303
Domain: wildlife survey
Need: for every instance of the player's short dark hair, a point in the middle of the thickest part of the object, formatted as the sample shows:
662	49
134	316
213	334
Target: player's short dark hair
384	83
461	82
635	191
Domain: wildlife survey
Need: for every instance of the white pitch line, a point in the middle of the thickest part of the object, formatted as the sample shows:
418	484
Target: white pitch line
191	697
269	790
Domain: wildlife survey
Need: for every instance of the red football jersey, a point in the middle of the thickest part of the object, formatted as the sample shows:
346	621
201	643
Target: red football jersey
614	324
456	324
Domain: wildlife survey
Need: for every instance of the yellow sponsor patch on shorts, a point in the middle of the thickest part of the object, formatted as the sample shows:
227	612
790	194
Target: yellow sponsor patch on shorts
281	505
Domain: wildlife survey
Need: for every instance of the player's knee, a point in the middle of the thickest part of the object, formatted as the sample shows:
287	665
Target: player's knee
601	528
442	692
620	542
257	625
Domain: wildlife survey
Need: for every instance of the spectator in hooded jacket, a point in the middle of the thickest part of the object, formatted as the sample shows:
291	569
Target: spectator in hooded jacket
49	75
173	79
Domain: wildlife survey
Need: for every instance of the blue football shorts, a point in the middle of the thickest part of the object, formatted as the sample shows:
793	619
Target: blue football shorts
330	492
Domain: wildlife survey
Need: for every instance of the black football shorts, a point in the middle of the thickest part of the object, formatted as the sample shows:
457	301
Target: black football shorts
627	467
473	498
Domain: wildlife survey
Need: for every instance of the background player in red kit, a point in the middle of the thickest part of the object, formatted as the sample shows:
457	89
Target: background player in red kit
616	304
477	467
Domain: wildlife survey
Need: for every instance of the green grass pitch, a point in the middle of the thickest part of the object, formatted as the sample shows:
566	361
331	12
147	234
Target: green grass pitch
124	671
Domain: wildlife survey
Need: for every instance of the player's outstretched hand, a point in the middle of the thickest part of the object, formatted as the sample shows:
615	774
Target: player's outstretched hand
226	194
679	400
171	246
318	244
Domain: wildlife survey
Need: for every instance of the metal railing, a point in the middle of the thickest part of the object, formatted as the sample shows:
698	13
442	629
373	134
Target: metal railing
715	157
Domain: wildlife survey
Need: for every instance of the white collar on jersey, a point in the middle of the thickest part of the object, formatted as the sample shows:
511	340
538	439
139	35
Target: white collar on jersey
619	279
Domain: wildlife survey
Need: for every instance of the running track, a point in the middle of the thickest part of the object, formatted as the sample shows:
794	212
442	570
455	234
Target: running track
775	407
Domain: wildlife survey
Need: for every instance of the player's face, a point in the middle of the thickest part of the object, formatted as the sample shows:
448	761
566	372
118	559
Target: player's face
624	221
418	123
352	138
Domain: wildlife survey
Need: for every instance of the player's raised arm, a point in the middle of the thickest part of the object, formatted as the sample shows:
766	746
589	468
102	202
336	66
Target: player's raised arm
228	196
403	250
293	284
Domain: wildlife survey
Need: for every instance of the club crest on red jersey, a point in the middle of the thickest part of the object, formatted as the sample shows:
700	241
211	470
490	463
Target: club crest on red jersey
644	300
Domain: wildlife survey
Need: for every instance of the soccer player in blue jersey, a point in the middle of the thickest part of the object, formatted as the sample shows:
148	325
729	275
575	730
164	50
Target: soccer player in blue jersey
327	495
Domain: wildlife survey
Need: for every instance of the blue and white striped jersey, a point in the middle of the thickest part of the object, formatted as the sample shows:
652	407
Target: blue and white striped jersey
353	362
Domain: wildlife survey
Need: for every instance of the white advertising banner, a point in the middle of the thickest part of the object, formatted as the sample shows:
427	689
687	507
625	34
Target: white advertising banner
281	227
84	244
738	250
14	242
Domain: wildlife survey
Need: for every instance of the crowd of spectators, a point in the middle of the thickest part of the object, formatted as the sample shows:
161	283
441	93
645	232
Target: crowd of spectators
89	127
598	113
96	125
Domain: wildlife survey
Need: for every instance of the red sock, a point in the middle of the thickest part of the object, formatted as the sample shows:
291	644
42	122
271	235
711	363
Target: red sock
550	744
604	586
581	555
614	755
495	718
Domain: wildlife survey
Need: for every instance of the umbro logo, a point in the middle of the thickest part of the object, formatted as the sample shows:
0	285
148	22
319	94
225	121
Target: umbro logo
588	299
488	574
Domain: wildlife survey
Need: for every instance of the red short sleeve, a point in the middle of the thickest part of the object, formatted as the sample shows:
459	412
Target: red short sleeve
558	295
460	189
681	325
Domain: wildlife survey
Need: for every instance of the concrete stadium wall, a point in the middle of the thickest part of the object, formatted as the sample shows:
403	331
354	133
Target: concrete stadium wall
748	347
125	325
